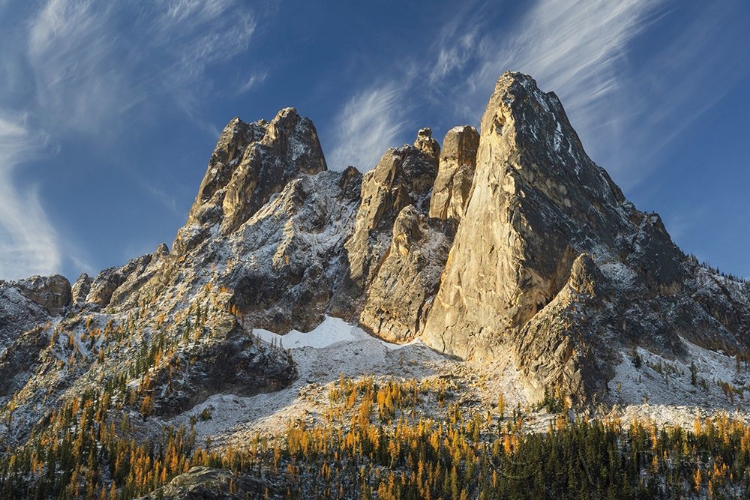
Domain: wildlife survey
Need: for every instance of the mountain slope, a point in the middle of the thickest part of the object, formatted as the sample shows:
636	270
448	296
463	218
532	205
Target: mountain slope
508	252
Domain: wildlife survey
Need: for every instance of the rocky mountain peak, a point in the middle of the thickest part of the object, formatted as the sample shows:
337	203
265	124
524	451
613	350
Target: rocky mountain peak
81	288
404	176
251	162
53	293
426	144
538	203
507	248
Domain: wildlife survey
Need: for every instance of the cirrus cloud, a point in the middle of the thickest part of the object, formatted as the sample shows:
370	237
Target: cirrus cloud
88	69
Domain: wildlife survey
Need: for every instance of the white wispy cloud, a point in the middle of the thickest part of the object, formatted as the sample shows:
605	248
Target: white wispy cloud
573	47
89	69
253	81
581	49
454	57
578	48
366	126
28	243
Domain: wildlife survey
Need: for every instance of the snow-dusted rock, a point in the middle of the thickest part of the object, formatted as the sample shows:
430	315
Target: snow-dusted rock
213	484
510	245
51	292
290	262
537	204
251	163
401	293
81	288
404	176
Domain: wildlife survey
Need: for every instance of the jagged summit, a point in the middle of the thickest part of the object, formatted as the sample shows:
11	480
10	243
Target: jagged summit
509	243
251	162
542	216
507	260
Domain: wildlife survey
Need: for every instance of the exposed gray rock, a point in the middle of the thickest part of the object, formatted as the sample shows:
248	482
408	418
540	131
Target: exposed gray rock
401	294
162	251
136	274
51	292
107	282
81	288
558	348
455	174
204	483
18	313
27	308
118	286
403	177
291	262
19	356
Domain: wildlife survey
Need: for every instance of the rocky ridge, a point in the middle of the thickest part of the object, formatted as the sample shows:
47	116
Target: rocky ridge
509	242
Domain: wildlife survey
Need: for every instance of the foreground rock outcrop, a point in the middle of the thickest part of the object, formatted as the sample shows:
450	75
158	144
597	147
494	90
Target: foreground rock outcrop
204	483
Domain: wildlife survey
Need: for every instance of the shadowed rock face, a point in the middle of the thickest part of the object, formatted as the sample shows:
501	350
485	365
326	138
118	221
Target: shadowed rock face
401	293
26	306
403	177
291	261
268	225
232	361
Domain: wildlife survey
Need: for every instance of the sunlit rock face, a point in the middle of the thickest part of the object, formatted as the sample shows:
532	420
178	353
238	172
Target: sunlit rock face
509	241
535	199
251	163
514	277
404	176
456	173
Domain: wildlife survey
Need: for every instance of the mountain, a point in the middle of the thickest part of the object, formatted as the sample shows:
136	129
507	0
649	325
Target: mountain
552	262
505	255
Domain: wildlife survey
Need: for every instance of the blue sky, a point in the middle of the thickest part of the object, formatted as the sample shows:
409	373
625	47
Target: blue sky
109	111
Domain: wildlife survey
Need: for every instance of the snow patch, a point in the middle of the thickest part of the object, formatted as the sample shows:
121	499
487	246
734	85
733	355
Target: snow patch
331	331
700	380
558	136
